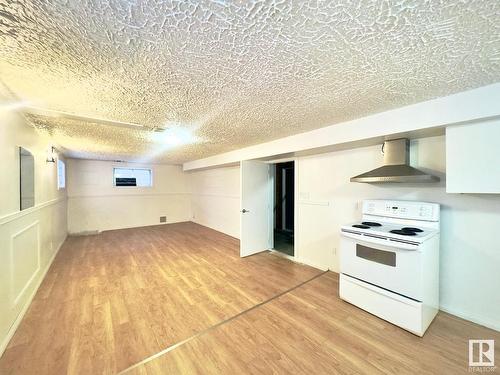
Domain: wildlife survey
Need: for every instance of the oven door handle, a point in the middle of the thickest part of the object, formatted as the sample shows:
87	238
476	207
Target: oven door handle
379	241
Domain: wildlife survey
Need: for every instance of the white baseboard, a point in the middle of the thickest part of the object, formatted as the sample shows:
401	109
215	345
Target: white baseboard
312	264
15	325
495	325
214	228
86	232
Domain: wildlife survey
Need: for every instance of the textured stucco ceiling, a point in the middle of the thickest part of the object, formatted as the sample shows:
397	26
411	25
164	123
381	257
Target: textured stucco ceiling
235	72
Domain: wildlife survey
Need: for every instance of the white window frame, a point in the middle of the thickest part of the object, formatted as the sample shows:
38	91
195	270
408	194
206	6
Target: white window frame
132	187
59	186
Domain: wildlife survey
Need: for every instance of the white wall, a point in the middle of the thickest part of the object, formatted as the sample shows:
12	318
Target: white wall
470	253
215	199
29	239
94	204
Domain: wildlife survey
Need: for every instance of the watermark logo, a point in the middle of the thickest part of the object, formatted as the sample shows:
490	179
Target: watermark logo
482	355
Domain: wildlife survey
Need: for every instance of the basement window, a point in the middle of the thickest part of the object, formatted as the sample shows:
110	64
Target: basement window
132	177
61	174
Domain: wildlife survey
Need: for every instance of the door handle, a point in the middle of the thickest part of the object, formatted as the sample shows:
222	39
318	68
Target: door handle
244	210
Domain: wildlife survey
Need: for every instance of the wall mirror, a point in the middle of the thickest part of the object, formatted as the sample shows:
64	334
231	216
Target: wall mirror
27	181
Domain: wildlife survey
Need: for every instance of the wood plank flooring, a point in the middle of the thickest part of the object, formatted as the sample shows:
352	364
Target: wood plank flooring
311	331
113	300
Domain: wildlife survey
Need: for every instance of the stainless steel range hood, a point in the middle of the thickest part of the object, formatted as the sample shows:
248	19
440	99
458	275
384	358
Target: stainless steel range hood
396	166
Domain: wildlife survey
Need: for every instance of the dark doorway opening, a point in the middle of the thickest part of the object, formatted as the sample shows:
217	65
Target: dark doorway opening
284	207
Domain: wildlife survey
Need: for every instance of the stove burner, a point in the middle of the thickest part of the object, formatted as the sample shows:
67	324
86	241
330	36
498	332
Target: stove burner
361	226
403	232
371	224
410	229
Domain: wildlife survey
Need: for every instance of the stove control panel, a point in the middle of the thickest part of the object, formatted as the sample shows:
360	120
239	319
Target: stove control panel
402	209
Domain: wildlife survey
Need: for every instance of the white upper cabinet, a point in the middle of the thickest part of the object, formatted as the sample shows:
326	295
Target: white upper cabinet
473	158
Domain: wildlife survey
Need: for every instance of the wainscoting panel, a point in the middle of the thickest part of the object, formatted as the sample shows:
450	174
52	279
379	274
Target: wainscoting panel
29	241
24	260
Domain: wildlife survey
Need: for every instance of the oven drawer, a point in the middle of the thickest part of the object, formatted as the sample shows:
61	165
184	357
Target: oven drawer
389	267
401	311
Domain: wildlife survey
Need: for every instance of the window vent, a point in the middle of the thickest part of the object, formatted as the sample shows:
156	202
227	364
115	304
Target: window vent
125	181
163	219
136	177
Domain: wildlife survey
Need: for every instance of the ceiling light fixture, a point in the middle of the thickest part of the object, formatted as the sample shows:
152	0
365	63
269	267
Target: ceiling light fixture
175	136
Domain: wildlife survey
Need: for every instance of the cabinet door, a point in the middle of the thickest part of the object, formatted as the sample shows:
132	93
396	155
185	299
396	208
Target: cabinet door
473	158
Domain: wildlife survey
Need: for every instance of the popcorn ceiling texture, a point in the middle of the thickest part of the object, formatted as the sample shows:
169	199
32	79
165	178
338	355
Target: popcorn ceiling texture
235	72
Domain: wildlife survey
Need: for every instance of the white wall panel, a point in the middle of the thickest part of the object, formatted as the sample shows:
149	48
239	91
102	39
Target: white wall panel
94	204
215	199
24	260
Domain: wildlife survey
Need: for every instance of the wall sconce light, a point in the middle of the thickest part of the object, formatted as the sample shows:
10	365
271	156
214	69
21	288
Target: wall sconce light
51	155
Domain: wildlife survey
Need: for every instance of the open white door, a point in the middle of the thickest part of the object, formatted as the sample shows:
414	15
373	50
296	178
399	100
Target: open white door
255	207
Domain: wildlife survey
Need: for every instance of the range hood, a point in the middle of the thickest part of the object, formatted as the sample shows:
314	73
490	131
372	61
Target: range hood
396	166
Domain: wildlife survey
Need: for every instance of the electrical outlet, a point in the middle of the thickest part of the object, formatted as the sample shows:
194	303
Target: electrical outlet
334	251
163	219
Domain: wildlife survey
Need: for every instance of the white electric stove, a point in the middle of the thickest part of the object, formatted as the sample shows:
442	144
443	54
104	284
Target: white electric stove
389	262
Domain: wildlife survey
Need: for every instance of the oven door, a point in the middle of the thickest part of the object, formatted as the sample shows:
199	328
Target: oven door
385	265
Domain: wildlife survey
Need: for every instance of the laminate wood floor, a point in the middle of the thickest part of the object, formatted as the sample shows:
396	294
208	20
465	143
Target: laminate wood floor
311	331
113	300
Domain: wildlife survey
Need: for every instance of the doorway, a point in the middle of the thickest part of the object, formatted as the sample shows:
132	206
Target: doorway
284	207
